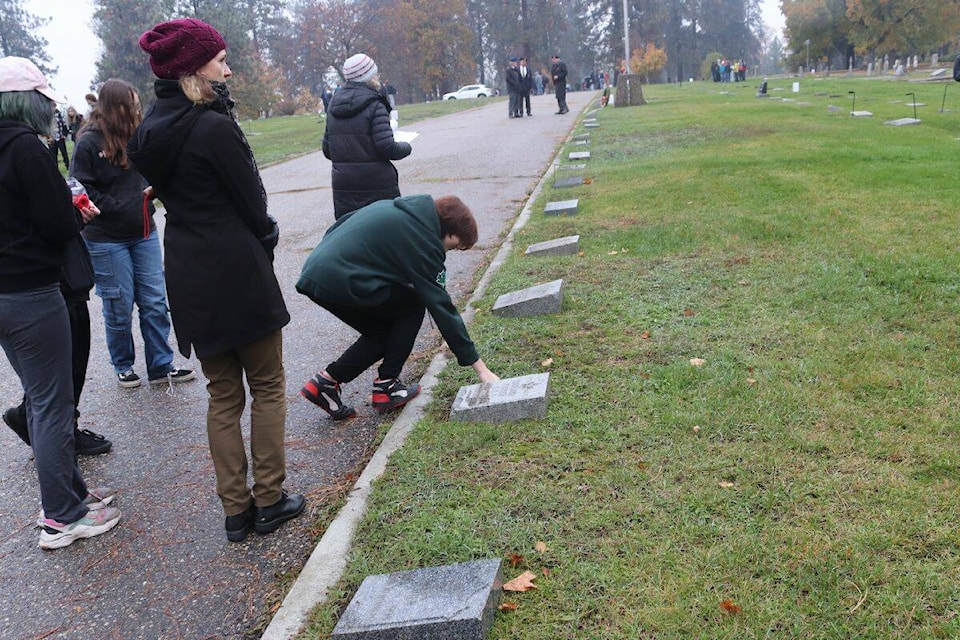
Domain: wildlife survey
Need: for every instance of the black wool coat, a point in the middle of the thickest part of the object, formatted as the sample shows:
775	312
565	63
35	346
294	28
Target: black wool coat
359	142
222	289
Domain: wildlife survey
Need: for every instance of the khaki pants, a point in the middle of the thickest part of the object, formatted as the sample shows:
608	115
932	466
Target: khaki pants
262	362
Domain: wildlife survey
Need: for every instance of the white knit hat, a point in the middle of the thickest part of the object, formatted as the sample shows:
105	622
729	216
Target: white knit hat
359	68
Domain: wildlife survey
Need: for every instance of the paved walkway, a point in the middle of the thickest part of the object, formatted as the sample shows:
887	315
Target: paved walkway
167	570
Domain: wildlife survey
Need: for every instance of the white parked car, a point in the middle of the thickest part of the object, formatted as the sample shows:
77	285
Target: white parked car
470	91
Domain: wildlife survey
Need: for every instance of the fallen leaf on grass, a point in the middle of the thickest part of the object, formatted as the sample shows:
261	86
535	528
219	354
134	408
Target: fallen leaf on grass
581	254
541	546
696	428
645	335
515	559
547	362
508	606
751	381
731	607
726	484
523	582
546	572
612	253
697	362
689	312
588	181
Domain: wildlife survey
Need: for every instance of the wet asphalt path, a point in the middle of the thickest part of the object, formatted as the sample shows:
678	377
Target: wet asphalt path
167	570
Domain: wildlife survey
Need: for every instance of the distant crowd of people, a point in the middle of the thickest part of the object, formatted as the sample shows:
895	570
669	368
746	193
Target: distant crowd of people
723	70
378	269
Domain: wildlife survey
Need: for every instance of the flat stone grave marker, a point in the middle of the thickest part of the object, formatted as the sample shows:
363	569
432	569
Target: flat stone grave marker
583	137
592	125
938	73
572	181
579	155
532	301
902	122
566	246
520	398
832	108
572	167
861	114
581	142
916	104
451	602
562	208
589	120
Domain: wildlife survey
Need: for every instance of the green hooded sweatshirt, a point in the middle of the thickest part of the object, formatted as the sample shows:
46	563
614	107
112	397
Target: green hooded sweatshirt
387	243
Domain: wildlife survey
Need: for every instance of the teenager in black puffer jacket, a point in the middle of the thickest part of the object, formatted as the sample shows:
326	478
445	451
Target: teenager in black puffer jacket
359	140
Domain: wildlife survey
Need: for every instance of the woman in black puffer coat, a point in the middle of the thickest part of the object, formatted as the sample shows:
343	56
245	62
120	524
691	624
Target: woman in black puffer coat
359	140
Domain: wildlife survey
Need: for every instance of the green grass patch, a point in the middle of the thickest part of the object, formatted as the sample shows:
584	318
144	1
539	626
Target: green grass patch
282	138
802	482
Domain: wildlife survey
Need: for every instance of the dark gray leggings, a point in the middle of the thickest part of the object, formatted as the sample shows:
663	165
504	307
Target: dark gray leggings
35	335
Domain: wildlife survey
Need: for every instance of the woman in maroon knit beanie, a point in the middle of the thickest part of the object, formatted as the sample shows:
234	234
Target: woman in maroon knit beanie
225	301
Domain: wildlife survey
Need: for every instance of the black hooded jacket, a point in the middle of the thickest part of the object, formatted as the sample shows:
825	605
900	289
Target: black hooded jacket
359	142
222	289
37	217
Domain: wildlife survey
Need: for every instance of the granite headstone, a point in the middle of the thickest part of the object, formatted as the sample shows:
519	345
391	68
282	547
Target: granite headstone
520	398
532	301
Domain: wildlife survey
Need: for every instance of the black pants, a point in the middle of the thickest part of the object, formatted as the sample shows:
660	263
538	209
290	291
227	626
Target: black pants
79	353
561	90
524	101
513	103
387	332
61	147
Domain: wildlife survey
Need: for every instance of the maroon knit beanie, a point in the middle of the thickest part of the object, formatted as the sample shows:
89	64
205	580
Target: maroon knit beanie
179	47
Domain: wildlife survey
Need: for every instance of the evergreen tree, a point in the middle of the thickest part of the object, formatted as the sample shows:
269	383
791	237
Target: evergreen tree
18	35
119	24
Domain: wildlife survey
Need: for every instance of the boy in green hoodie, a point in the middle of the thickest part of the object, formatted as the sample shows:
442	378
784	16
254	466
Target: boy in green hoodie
378	269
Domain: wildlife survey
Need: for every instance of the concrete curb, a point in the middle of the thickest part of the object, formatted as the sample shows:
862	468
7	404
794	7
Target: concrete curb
329	559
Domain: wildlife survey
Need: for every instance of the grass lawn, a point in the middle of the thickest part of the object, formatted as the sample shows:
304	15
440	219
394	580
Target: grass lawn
802	481
282	138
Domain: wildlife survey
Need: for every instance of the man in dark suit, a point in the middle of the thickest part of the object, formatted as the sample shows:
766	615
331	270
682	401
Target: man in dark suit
526	86
514	87
558	72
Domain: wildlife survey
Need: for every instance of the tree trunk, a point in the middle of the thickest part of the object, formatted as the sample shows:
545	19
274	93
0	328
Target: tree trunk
629	91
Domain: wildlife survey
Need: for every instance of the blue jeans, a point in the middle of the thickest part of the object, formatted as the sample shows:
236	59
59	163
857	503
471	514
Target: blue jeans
35	335
131	272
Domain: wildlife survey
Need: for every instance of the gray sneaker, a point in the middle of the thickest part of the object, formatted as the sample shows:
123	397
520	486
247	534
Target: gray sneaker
56	535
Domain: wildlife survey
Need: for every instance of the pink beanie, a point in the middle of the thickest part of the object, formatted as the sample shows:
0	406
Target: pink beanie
179	47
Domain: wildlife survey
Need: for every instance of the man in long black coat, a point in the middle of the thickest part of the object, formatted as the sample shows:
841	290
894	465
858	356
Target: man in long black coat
558	72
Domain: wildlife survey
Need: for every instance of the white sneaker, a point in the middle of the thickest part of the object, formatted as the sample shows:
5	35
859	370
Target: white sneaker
96	499
56	535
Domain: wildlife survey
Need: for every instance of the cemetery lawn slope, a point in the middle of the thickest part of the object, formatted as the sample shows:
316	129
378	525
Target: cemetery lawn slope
752	428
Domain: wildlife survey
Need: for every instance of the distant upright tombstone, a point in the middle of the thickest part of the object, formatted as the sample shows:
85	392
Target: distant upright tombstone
532	301
562	208
915	65
452	602
796	87
850	65
898	70
507	400
935	59
886	64
762	92
579	155
870	69
568	245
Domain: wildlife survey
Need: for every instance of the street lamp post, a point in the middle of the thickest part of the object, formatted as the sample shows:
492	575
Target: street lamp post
807	42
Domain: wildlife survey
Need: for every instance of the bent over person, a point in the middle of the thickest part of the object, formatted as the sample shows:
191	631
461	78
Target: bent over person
225	301
378	269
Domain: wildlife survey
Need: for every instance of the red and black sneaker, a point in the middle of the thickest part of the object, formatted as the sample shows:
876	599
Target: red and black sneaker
325	393
390	394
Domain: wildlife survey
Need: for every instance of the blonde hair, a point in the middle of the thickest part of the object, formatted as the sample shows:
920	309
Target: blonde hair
197	89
